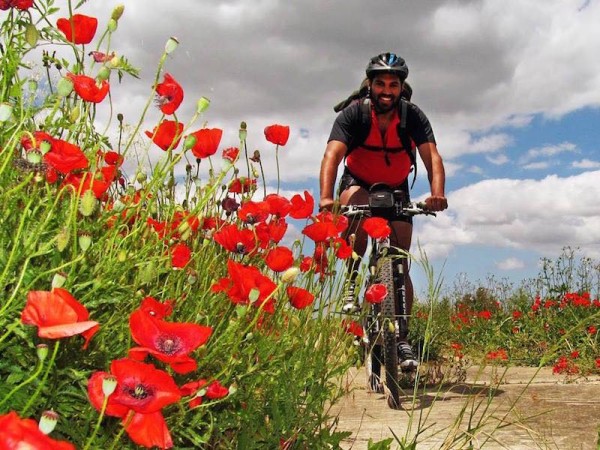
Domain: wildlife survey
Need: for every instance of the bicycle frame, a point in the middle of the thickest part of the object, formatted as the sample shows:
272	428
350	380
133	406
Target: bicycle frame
388	321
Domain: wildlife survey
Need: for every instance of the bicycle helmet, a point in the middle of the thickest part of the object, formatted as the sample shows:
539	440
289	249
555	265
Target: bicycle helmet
387	63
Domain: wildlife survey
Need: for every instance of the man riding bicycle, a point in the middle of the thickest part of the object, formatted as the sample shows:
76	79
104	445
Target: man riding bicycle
377	155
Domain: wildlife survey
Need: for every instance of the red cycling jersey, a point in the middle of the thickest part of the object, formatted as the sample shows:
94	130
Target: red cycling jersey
380	159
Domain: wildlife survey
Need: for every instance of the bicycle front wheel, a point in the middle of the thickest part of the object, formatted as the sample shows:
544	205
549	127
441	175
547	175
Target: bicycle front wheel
389	324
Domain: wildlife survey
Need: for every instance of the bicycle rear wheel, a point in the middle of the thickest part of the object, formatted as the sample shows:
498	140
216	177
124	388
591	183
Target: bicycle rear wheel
385	271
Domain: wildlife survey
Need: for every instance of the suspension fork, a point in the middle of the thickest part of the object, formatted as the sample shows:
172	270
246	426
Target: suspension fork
400	283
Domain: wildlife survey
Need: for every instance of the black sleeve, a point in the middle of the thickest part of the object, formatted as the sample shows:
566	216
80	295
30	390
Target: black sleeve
418	126
344	127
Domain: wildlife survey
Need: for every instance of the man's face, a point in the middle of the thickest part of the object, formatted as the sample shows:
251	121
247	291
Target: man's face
385	92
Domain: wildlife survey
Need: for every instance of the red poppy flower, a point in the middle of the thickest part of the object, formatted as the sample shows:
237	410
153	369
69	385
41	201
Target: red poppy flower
320	231
169	94
113	158
353	328
88	89
143	390
277	134
98	182
207	142
57	314
340	221
180	255
156	309
80	29
232	239
278	206
376	293
306	264
191	389
244	282
65	157
22	5
342	249
302	208
242	185
299	298
17	433
38	137
231	154
216	390
167	134
273	231
279	259
253	212
169	342
376	227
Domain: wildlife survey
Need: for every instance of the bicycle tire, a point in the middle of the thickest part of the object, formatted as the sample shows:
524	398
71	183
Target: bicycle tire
385	271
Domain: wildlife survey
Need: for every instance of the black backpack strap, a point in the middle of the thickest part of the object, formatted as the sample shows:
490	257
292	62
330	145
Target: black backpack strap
405	138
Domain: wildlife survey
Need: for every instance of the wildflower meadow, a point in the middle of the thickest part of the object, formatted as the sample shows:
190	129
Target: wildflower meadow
151	294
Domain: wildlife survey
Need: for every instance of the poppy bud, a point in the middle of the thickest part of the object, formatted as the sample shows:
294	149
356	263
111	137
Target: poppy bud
243	131
64	86
115	62
202	105
103	73
74	115
112	25
122	256
85	240
6	110
31	34
140	177
109	384
87	203
290	274
58	280
189	142
171	45
120	117
117	12
62	239
48	421
42	351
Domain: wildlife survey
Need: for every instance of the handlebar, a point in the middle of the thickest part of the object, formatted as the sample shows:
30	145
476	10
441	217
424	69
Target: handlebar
407	209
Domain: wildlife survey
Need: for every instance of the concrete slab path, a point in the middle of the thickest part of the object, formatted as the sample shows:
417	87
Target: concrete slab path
491	408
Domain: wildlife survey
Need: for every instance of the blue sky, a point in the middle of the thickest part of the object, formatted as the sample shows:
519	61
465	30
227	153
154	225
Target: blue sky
511	87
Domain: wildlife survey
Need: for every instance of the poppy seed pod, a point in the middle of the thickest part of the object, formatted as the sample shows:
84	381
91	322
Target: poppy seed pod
48	421
59	280
202	105
85	241
6	110
109	384
41	351
171	45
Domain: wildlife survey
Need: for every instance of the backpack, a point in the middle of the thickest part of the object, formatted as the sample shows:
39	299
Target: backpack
361	95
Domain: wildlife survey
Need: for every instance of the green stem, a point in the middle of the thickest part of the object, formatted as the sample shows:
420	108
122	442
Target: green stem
277	162
43	382
97	427
126	423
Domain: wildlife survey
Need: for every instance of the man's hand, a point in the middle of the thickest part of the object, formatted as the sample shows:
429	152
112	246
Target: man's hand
326	204
436	203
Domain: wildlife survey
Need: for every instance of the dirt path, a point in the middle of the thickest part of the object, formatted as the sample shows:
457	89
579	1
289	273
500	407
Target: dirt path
528	409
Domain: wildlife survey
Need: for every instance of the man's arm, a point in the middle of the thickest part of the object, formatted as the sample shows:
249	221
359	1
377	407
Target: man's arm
334	154
436	175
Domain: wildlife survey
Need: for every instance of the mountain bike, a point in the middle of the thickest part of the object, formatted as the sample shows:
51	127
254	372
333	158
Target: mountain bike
385	322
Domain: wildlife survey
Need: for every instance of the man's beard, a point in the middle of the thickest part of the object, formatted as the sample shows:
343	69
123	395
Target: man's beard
384	108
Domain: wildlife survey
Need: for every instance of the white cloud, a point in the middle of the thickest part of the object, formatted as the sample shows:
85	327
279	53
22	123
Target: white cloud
498	160
548	151
539	215
586	164
510	264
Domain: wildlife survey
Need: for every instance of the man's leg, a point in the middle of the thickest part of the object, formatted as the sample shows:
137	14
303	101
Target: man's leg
356	236
401	237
